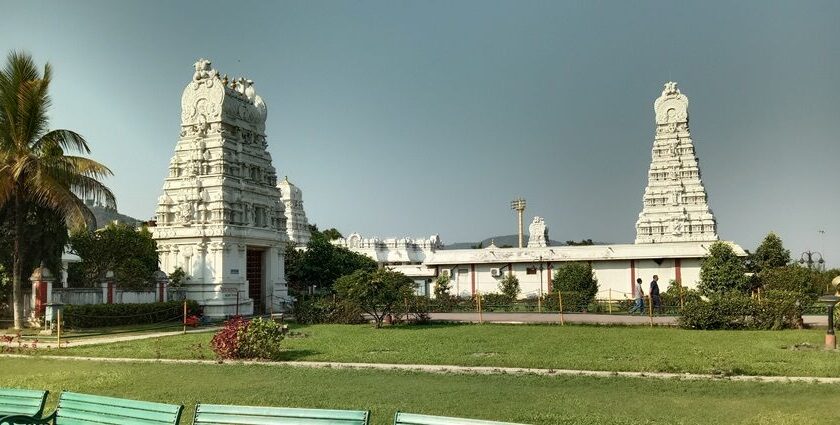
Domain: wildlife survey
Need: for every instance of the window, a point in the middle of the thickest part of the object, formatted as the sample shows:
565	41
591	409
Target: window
531	270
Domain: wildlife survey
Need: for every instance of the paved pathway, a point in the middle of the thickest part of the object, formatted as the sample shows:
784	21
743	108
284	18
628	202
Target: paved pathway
95	340
481	370
582	318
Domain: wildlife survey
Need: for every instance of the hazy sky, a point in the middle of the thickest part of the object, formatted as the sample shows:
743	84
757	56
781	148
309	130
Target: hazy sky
405	118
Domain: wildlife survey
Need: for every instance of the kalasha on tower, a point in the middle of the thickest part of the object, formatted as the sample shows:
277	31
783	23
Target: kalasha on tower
220	217
676	207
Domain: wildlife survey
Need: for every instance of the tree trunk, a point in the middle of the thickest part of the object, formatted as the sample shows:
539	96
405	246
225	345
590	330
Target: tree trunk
17	299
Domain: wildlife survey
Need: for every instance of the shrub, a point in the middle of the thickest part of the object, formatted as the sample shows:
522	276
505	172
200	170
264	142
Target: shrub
579	282
225	342
261	340
509	287
793	279
376	293
414	309
100	315
177	278
778	309
496	302
242	339
671	297
720	312
326	309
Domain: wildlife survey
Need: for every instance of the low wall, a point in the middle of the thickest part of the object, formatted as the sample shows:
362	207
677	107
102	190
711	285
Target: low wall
82	296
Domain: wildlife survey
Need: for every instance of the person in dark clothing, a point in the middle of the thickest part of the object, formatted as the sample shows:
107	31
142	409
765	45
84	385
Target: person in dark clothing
655	300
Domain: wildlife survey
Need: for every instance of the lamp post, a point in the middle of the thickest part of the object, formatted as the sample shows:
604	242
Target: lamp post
808	257
830	339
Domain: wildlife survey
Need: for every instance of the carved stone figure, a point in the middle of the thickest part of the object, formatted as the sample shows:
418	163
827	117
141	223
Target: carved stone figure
537	233
185	212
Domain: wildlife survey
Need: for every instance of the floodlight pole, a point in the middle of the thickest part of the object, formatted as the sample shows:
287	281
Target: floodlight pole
518	204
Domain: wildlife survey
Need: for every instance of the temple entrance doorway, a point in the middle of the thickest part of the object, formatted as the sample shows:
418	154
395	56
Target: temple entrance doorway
255	272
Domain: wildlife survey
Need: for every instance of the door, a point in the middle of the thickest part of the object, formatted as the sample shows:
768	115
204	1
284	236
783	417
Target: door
254	264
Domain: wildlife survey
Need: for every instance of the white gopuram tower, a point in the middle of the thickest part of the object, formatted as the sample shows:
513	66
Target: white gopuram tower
297	227
676	208
220	217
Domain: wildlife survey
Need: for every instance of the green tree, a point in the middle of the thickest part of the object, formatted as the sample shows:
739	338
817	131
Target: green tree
321	263
46	237
443	284
722	271
177	277
578	283
130	253
509	287
332	234
771	253
582	242
33	165
376	293
794	278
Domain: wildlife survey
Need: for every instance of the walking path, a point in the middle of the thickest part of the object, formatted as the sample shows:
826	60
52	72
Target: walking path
481	370
79	341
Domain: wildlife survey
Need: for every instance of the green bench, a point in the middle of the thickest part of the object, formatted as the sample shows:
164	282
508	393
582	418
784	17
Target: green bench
221	414
415	419
80	409
18	402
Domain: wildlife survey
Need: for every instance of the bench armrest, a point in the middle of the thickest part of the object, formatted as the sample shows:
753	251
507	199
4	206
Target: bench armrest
25	420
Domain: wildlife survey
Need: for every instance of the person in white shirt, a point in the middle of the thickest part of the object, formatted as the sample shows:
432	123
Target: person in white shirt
639	306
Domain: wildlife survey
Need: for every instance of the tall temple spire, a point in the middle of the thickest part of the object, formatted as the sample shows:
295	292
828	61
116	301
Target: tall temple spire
675	207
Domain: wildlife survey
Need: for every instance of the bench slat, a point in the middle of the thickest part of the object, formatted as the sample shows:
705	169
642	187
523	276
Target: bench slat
417	419
76	408
15	401
218	414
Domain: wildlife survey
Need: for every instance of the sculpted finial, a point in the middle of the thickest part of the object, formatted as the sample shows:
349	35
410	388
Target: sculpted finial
670	88
203	70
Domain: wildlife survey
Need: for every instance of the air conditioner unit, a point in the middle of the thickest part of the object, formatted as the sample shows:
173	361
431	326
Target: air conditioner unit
495	272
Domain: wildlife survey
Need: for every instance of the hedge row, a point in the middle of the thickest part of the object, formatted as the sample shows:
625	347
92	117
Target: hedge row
100	315
774	310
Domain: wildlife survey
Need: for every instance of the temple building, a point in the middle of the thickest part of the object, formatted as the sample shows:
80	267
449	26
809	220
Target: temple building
220	217
673	232
297	227
405	255
675	207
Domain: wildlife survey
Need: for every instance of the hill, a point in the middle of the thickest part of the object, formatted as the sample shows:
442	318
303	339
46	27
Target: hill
104	216
500	241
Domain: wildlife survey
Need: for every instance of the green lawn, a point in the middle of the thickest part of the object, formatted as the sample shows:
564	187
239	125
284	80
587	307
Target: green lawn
540	346
526	399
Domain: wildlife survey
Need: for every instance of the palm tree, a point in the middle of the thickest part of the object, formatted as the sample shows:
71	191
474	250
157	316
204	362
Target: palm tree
33	166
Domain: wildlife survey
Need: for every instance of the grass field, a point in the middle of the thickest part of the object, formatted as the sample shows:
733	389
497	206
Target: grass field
525	399
786	353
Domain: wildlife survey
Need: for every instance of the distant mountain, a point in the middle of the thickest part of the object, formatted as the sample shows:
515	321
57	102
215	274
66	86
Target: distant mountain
105	216
500	241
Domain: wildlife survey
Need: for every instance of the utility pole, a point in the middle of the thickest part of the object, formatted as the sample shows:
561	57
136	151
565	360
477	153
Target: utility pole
518	204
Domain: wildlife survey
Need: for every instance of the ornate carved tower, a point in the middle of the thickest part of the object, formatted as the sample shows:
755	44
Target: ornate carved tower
220	217
675	207
297	227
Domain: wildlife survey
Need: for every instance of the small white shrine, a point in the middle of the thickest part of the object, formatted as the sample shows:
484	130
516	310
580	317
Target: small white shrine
297	226
220	217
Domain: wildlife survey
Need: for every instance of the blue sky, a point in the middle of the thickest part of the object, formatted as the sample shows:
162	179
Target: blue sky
402	118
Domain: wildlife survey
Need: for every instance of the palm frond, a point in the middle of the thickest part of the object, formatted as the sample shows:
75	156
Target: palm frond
66	139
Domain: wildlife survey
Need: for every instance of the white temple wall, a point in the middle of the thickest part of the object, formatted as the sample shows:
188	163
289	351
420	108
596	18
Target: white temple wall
645	269
612	275
615	275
